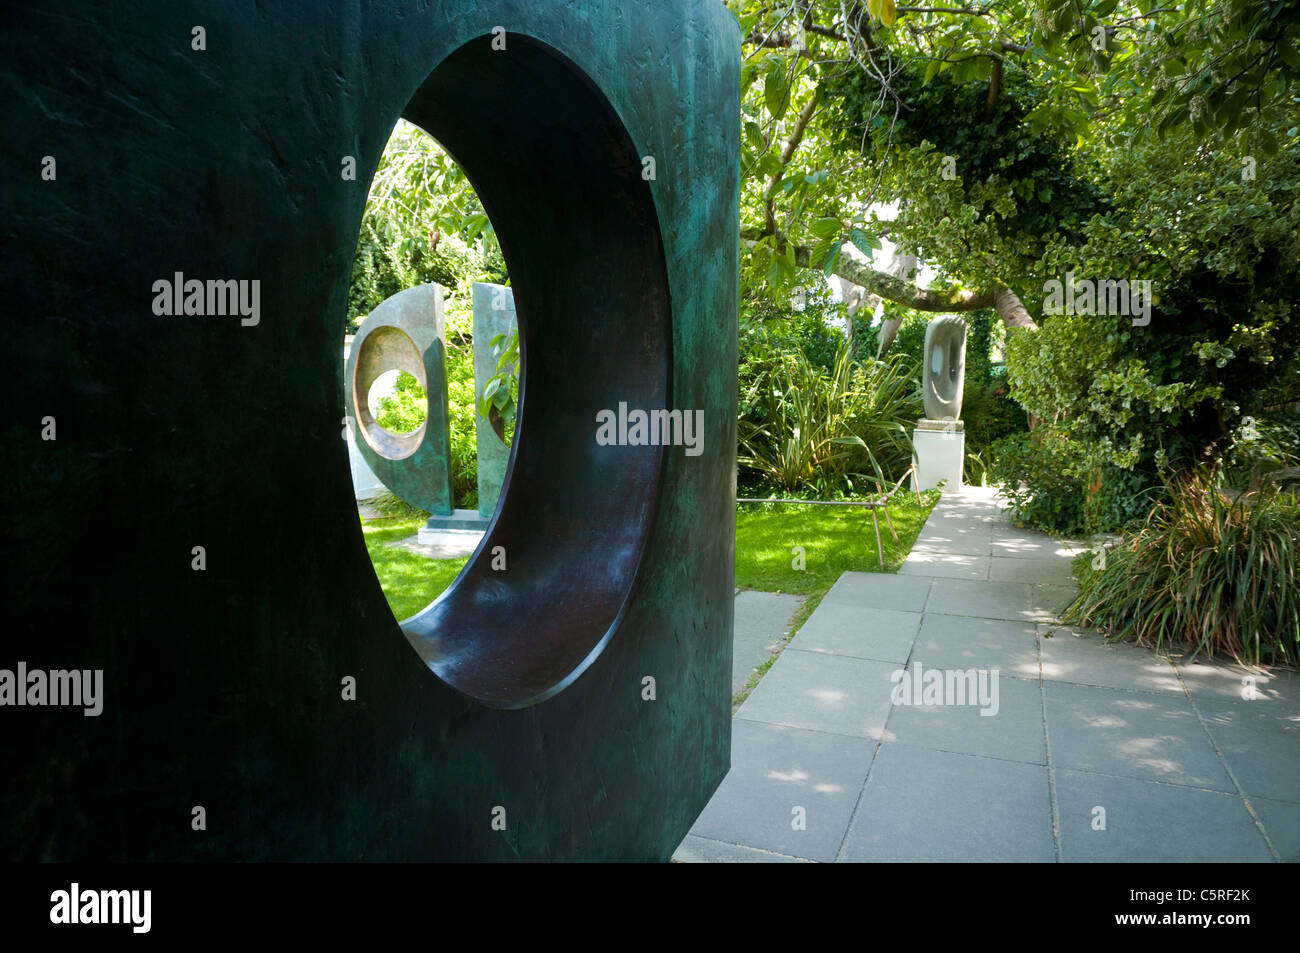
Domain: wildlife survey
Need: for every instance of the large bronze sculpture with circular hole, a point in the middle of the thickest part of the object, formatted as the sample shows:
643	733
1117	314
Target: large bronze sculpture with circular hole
181	517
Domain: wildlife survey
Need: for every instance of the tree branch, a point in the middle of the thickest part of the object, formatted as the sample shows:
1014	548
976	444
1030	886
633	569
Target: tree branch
998	296
966	10
903	292
791	144
995	89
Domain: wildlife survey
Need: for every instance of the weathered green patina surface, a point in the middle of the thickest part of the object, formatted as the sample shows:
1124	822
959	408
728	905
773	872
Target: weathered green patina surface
406	332
222	687
494	313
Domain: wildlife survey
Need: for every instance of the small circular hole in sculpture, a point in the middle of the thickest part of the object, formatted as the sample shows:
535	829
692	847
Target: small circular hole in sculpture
397	402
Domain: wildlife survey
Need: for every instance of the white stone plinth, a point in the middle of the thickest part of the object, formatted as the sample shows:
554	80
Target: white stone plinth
940	455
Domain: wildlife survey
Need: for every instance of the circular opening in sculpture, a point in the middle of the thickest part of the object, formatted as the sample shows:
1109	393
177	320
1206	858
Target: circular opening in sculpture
388	351
398	403
560	178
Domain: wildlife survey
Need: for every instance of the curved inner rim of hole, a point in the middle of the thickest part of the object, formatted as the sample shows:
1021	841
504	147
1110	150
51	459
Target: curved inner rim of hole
378	351
561	180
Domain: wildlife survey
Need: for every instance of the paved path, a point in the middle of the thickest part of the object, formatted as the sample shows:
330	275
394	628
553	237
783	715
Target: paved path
1092	752
762	623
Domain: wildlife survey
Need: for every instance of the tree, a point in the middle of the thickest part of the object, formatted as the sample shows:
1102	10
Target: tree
1037	75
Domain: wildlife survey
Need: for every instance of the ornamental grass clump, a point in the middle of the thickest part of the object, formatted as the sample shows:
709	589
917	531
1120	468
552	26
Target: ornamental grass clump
1206	574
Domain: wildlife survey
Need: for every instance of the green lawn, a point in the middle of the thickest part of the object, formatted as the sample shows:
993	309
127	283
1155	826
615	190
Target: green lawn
834	538
410	581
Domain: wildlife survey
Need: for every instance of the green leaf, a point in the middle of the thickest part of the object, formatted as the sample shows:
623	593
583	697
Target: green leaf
825	227
773	275
865	243
775	90
832	258
787	264
754	135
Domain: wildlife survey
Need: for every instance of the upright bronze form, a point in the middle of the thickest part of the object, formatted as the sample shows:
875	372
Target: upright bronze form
406	332
191	531
494	313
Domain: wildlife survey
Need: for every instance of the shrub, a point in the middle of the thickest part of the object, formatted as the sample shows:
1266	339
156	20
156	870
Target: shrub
1053	483
802	427
1271	443
766	326
1118	499
1206	573
1033	470
988	410
406	408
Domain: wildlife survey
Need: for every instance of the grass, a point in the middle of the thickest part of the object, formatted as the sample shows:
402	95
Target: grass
834	539
410	581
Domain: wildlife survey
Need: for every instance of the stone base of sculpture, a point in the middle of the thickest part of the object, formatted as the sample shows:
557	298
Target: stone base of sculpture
442	530
940	447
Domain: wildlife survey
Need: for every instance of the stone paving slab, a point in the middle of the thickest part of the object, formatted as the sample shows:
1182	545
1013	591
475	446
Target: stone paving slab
1146	735
1048	602
981	599
961	642
1147	822
1012	729
1027	545
775	770
463	545
1260	742
1281	820
958	533
932	544
1076	655
1232	681
886	635
945	565
924	806
876	590
702	850
1038	571
830	693
762	623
